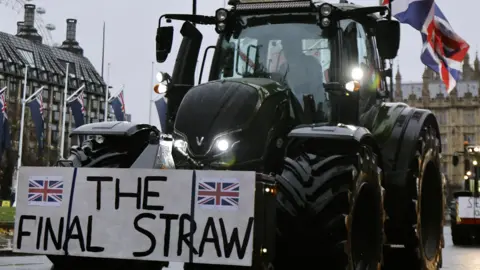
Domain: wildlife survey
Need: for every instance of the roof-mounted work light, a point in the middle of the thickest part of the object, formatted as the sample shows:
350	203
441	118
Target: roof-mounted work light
326	9
325	12
221	16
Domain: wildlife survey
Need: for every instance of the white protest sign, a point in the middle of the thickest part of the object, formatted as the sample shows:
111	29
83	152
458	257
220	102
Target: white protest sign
468	207
143	214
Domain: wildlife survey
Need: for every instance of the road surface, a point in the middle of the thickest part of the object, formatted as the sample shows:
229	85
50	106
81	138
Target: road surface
454	258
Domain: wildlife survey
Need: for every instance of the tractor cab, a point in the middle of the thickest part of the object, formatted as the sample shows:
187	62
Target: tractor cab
330	57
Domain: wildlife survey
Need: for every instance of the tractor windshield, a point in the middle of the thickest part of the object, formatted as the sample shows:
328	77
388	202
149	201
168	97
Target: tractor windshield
297	54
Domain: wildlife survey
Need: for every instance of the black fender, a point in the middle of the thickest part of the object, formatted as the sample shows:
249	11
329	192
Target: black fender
113	128
396	127
338	138
144	140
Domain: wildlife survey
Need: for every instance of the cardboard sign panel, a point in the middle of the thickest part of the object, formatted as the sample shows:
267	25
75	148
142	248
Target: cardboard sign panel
468	207
143	214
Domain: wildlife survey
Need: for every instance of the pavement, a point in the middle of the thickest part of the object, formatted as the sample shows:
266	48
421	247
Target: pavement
454	258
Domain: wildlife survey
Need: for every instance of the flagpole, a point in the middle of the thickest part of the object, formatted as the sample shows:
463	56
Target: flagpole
103	48
22	126
64	116
150	96
20	140
75	93
106	93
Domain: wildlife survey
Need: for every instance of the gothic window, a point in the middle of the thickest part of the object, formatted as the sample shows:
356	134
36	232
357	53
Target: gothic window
444	142
469	137
469	117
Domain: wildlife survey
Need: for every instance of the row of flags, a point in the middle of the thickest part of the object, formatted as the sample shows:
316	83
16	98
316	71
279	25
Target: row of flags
443	50
76	103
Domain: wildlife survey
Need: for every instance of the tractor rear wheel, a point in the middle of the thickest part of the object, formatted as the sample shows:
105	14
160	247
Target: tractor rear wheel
329	215
83	157
330	212
421	232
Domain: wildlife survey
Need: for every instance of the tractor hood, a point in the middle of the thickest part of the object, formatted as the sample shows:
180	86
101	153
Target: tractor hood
216	108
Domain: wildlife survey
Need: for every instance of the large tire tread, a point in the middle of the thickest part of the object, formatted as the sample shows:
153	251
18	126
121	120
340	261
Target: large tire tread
315	201
414	256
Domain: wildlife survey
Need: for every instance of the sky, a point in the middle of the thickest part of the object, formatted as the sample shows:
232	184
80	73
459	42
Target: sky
131	28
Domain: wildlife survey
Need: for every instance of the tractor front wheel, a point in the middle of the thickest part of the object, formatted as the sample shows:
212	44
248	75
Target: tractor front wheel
330	212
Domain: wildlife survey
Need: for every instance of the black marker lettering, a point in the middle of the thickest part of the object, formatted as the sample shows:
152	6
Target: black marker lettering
136	195
185	237
210	226
148	234
147	193
79	235
99	180
91	248
234	239
39	232
50	234
21	232
168	226
470	204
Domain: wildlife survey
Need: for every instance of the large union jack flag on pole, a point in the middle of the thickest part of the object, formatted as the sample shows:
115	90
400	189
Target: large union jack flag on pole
443	50
45	192
218	194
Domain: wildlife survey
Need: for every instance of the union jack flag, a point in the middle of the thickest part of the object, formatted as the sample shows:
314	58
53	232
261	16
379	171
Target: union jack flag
3	105
45	192
218	194
443	49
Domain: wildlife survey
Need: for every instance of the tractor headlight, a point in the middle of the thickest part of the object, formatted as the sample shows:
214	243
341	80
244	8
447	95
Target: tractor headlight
352	86
222	145
99	139
181	145
357	74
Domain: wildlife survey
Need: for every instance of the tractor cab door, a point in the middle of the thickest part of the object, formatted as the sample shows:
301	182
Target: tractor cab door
357	53
183	75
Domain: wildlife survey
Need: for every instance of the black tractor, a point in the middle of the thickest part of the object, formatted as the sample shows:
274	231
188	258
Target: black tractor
465	206
297	90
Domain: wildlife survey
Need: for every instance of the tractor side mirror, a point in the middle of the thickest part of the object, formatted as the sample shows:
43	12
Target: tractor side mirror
388	38
455	160
164	40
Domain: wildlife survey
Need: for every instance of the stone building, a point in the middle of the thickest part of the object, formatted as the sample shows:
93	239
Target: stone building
458	113
47	67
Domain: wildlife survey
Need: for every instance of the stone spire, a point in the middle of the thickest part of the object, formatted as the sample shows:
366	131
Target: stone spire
467	70
398	85
476	66
427	77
